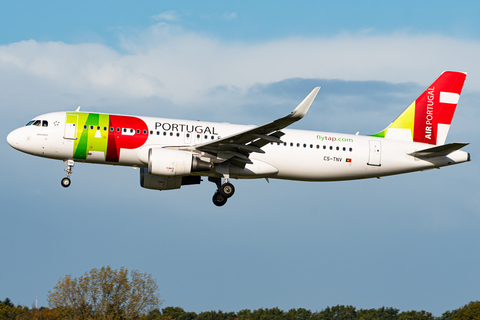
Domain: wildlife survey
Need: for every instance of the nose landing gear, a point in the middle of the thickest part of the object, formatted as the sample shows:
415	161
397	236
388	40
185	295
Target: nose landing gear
66	181
224	191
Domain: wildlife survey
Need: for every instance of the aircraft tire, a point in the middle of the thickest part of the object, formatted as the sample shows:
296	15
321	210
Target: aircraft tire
219	200
227	190
66	182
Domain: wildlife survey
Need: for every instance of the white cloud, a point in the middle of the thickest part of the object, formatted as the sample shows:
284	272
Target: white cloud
230	16
170	15
186	68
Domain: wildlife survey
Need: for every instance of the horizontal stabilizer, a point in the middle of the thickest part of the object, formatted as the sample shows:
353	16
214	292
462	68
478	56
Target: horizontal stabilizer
440	151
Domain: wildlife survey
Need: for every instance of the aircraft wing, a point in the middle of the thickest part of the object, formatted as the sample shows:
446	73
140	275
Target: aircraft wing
238	146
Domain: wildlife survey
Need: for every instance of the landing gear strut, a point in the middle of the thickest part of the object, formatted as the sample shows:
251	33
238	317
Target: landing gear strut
224	191
66	181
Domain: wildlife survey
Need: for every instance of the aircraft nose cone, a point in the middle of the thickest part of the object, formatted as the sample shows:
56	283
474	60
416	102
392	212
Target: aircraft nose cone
12	139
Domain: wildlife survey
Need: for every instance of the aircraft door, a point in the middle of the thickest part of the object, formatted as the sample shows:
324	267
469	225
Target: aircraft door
375	153
71	123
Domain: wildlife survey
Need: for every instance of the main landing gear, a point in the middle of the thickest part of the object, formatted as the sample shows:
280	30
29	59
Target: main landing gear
224	191
66	181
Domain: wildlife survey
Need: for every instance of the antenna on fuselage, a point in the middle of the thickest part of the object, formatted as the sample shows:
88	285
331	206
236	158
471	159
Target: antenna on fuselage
78	109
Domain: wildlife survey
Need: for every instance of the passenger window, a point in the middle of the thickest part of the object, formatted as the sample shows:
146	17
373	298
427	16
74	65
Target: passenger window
304	145
298	144
324	147
331	148
206	137
111	129
44	123
291	144
171	134
198	136
85	127
138	131
158	133
98	127
104	128
213	137
118	129
311	146
350	149
285	144
144	131
164	133
188	135
318	147
344	149
91	127
178	134
338	148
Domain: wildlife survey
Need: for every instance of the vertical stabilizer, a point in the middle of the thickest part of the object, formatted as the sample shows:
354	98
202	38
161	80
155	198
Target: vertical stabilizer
428	118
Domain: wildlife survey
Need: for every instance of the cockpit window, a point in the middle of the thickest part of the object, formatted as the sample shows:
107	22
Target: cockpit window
44	123
37	123
30	123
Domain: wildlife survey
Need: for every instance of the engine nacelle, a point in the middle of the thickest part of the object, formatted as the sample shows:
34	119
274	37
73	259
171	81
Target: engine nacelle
150	181
173	163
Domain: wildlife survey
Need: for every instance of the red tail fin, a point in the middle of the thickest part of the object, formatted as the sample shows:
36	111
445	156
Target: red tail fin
428	118
435	107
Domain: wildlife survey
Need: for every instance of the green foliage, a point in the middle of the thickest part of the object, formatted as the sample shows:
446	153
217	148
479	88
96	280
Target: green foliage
10	312
447	315
216	315
469	311
7	302
415	315
337	313
298	314
377	314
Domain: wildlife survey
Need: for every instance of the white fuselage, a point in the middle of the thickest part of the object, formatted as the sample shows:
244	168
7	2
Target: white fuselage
303	155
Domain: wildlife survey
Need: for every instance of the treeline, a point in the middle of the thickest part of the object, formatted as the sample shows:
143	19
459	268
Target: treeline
8	311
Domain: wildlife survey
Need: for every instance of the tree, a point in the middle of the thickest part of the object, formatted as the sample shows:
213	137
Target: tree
337	313
11	312
377	314
106	294
469	311
216	315
416	315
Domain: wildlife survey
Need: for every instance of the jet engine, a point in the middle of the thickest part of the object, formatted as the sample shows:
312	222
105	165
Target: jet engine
173	163
150	181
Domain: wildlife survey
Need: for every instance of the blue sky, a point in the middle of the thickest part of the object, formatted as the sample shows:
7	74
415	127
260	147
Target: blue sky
407	241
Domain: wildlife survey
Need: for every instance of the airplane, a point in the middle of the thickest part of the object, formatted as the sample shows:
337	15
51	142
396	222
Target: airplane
172	153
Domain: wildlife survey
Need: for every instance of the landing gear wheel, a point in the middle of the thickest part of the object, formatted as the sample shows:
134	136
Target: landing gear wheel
66	182
227	190
219	200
